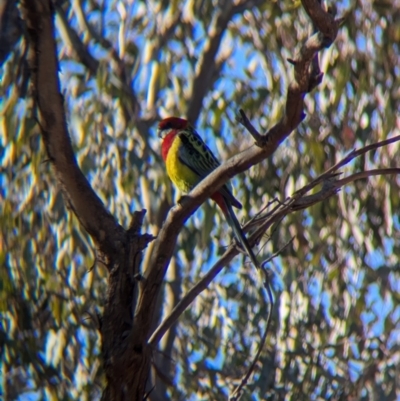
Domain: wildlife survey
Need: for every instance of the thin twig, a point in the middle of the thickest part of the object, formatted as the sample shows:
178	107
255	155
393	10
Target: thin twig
358	152
237	393
243	119
298	199
277	253
191	295
295	204
366	174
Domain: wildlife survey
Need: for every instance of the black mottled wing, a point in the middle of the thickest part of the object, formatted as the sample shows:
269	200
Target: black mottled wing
196	155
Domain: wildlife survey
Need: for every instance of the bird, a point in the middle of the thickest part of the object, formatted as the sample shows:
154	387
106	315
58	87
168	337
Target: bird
189	160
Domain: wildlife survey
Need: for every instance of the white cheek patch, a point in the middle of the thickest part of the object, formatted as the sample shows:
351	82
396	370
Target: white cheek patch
165	132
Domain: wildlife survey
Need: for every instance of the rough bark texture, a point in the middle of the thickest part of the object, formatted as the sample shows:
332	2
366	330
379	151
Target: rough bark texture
126	356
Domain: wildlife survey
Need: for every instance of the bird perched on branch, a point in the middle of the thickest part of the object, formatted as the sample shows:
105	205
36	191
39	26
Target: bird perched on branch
189	160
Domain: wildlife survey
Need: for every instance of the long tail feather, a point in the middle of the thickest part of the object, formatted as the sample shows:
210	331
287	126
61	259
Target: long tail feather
239	234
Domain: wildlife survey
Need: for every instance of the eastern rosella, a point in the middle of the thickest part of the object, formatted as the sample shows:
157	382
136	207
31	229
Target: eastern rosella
188	160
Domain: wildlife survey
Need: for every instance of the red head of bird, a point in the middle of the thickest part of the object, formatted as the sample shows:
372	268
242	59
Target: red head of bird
167	130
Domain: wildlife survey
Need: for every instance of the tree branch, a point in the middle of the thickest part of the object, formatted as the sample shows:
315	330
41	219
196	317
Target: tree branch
366	174
322	20
166	241
131	107
244	120
207	62
78	193
10	28
298	202
75	43
191	295
332	171
358	152
126	359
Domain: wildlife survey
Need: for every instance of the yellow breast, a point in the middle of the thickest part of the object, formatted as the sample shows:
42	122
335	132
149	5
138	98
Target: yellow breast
181	175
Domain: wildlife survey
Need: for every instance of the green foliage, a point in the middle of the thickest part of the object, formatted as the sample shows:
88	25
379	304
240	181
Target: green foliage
336	322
